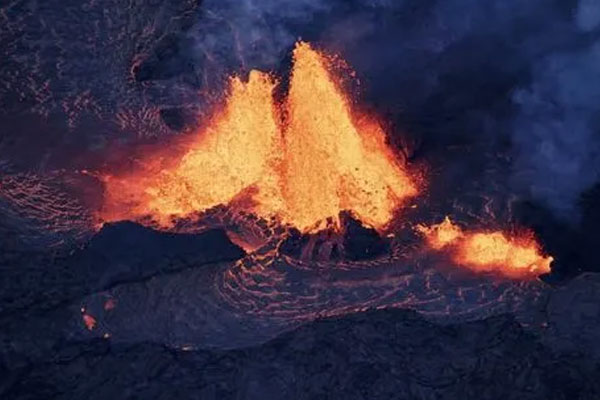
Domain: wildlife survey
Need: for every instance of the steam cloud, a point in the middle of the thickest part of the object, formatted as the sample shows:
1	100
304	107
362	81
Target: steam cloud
522	72
556	135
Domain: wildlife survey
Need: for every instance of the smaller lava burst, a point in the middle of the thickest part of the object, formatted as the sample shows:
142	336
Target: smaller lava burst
89	321
516	257
302	160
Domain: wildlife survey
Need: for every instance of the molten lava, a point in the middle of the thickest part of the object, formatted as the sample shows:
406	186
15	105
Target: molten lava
89	321
516	257
332	164
236	152
441	235
302	162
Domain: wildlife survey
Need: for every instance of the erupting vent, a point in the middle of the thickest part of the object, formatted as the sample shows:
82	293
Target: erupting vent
302	161
299	161
518	256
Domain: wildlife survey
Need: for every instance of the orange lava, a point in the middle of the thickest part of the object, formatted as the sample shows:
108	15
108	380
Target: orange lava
236	152
302	161
332	163
89	321
440	235
516	257
110	304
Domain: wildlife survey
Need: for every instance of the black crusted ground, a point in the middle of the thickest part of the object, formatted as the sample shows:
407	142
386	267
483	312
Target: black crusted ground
376	355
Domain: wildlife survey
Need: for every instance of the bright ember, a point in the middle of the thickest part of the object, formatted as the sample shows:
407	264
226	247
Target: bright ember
302	161
516	257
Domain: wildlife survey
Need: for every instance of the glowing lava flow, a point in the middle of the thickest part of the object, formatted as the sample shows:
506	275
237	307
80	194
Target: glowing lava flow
235	153
302	161
516	257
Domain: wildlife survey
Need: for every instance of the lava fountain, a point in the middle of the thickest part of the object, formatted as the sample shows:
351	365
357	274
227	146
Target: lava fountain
236	153
301	161
516	256
333	161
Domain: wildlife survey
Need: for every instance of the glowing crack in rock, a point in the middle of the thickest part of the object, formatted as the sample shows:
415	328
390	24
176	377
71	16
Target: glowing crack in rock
301	161
89	321
517	256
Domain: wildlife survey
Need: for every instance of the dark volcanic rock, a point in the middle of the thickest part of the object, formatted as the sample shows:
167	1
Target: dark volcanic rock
120	252
169	58
361	242
375	355
176	118
129	251
324	245
294	243
574	316
355	242
128	241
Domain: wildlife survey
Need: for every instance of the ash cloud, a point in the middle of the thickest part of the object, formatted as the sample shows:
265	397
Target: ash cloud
241	35
588	15
556	136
